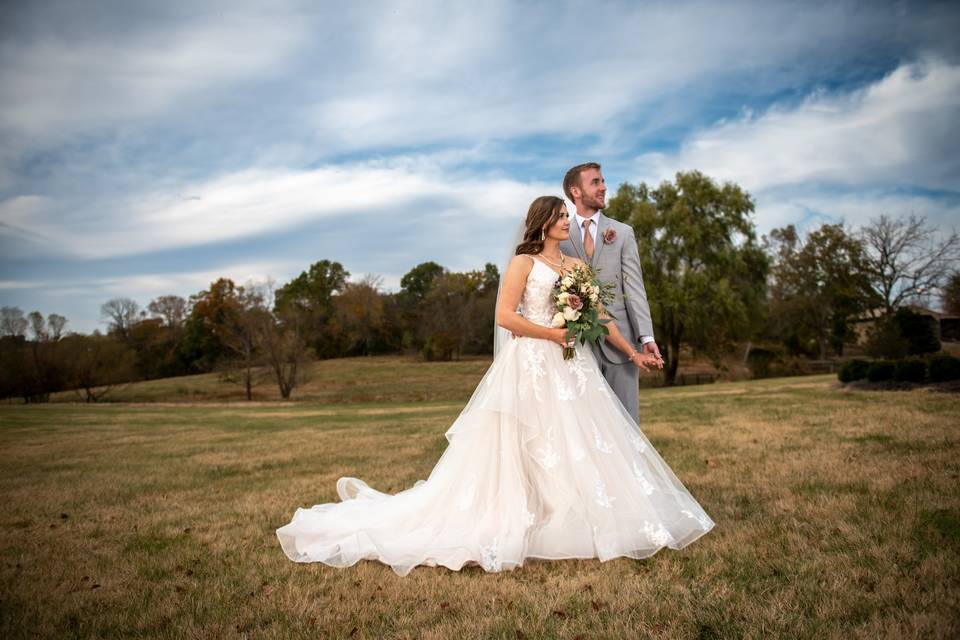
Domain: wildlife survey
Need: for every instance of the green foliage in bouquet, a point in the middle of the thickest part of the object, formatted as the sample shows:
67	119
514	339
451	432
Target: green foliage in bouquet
579	297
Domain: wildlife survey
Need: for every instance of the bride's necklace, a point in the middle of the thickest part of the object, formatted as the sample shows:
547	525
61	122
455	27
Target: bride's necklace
552	263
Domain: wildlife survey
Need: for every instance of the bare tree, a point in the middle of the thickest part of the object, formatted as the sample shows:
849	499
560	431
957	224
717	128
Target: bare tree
12	322
120	314
55	325
240	333
906	260
45	372
97	364
281	339
38	326
171	309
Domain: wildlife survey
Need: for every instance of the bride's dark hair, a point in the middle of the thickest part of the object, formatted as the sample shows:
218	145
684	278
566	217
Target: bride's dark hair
541	215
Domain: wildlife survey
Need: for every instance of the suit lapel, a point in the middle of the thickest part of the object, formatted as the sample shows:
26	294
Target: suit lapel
576	239
603	223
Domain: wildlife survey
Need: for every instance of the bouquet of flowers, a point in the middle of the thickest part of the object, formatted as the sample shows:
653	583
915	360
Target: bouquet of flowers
579	296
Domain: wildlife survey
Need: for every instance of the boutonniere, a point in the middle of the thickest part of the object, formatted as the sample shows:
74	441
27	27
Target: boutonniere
609	236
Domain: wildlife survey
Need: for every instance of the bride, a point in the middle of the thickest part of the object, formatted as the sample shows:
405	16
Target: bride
543	462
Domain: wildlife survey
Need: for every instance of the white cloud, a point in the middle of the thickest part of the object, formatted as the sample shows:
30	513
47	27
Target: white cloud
900	130
502	70
127	130
62	81
889	147
6	285
80	298
143	287
255	202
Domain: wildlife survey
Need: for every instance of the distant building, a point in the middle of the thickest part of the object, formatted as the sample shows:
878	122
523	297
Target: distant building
949	325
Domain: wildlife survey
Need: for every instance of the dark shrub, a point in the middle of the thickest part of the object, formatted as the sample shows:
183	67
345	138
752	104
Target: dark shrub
440	346
884	339
910	370
921	332
944	367
853	370
880	371
761	362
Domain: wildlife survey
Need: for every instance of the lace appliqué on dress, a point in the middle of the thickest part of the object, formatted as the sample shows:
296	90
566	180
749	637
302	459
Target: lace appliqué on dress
644	483
548	455
564	392
602	445
488	556
657	535
601	497
702	521
533	366
576	366
638	442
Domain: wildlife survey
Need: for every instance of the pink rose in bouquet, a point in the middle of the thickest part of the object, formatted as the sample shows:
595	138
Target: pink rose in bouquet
579	297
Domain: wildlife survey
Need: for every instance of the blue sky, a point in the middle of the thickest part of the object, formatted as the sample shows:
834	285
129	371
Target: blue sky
149	148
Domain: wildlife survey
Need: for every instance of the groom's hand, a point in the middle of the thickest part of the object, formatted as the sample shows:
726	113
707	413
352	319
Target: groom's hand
651	347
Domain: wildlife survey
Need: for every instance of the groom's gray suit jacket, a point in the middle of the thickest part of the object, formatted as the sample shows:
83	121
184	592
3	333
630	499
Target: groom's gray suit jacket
617	263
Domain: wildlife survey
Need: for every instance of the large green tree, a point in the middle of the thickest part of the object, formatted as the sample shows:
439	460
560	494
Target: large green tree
416	283
309	297
704	273
817	285
359	318
457	314
202	345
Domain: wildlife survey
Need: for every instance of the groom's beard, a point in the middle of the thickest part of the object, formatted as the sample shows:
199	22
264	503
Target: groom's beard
594	203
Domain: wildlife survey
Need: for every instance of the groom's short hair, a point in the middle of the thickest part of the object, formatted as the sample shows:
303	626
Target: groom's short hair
572	179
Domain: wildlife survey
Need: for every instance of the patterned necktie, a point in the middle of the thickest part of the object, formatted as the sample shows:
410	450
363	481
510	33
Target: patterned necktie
587	239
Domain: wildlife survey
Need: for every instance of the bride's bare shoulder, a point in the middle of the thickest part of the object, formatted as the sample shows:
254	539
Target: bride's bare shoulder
522	261
519	266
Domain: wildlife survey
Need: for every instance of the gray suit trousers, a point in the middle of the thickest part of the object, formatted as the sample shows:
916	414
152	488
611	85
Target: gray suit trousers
624	379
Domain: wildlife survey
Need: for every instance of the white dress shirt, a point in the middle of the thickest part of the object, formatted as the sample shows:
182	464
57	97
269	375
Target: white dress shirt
578	219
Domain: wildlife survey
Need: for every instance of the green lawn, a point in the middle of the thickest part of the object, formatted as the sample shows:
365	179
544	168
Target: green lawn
838	516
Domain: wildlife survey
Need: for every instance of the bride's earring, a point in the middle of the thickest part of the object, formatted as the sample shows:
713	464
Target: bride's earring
542	236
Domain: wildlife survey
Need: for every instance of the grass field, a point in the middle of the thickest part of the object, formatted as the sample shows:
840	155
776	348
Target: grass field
838	516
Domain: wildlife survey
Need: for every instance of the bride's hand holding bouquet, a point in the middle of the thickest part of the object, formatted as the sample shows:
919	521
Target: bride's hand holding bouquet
580	298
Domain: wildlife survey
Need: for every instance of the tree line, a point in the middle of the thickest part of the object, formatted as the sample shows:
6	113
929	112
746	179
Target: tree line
248	332
710	280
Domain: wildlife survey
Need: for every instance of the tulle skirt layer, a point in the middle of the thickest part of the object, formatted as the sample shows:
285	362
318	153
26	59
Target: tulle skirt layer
543	462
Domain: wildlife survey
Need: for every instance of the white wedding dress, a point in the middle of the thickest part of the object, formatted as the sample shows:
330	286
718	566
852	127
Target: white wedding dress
543	462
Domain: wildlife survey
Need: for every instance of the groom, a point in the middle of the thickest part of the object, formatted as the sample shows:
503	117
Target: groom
610	247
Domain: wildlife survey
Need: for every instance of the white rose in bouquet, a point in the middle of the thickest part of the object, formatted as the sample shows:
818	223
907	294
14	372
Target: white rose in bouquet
570	314
558	320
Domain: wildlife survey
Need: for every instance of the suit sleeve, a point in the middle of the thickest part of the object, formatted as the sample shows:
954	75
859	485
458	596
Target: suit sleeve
635	294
